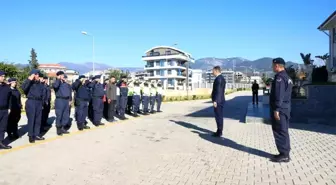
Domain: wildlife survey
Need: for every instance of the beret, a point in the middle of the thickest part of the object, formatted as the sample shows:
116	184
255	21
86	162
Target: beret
2	73
279	61
60	73
12	80
96	77
34	71
81	76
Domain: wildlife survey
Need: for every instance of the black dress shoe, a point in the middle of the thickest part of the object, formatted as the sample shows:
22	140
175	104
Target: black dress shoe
3	146
80	129
39	138
64	131
280	159
31	140
86	127
216	134
59	131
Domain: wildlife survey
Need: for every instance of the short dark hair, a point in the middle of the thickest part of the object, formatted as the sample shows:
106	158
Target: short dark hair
112	77
217	68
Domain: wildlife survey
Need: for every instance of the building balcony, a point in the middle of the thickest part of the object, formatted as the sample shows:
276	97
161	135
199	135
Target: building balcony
167	56
148	67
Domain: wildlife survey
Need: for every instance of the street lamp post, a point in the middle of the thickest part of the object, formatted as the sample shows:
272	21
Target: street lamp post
93	50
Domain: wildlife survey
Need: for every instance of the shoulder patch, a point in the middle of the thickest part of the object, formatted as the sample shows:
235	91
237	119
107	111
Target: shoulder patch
278	79
290	81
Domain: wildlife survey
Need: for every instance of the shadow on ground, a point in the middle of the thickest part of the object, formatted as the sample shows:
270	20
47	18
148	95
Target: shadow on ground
23	129
207	135
233	109
236	109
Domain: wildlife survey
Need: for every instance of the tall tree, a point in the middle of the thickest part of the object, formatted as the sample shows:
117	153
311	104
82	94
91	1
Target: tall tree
306	58
10	69
323	57
33	62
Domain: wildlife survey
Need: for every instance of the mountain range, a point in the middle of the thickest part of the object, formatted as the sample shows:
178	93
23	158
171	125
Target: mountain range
238	64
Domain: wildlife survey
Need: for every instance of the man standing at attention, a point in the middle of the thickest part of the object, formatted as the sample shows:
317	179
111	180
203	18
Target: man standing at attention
5	93
280	107
218	99
111	95
255	89
15	110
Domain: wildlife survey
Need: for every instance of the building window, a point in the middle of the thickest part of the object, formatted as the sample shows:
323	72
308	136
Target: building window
161	72
169	72
162	63
157	63
171	82
168	52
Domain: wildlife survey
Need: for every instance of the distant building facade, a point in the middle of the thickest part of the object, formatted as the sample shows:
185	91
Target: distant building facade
169	65
228	76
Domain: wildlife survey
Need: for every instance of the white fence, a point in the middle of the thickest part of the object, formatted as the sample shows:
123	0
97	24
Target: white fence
228	85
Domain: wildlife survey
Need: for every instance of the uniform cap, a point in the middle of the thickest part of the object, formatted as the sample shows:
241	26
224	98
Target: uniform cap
96	77
35	72
12	80
60	73
81	76
2	73
279	61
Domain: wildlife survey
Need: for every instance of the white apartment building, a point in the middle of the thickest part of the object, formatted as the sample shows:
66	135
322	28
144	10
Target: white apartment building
169	65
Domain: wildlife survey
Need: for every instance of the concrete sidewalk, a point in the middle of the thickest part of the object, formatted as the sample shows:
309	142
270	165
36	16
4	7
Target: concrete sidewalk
174	147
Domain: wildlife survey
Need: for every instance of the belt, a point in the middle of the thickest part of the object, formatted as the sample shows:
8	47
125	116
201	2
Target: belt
35	98
97	96
83	99
64	98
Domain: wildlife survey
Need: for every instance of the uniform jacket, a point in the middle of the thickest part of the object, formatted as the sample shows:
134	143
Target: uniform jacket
82	90
281	92
15	100
255	87
218	90
34	90
5	95
62	89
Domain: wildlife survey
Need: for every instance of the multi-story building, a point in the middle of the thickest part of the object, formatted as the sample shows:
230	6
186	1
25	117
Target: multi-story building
169	65
228	76
52	69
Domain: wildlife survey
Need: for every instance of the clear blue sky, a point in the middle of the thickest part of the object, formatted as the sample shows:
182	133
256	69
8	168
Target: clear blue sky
124	30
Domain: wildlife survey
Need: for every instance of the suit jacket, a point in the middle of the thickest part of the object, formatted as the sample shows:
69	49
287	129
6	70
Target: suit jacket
218	90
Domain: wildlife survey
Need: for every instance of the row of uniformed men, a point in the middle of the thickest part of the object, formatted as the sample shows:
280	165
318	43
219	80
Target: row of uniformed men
130	95
89	95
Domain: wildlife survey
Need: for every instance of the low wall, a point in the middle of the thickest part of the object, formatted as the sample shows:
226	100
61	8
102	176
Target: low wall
318	107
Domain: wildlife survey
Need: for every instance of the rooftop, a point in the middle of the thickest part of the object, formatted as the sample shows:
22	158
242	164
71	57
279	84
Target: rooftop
329	23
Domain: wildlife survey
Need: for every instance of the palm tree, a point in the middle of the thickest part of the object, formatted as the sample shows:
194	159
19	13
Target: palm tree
306	59
323	57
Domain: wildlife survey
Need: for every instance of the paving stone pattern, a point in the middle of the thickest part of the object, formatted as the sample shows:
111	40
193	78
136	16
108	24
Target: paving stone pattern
174	147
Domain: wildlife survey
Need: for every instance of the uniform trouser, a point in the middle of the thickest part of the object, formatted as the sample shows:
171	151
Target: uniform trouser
136	103
122	105
105	112
13	120
90	110
129	103
34	115
219	117
3	123
280	132
152	102
158	102
145	101
45	114
98	109
62	112
111	110
81	112
255	97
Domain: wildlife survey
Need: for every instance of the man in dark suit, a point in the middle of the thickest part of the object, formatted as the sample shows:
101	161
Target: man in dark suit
255	89
218	99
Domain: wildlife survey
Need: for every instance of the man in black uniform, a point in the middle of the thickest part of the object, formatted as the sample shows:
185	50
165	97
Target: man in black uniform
255	89
280	107
82	98
5	94
63	95
123	97
97	101
15	110
46	104
35	93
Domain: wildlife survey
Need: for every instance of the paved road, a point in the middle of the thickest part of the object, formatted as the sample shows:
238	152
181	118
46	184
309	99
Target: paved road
174	147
